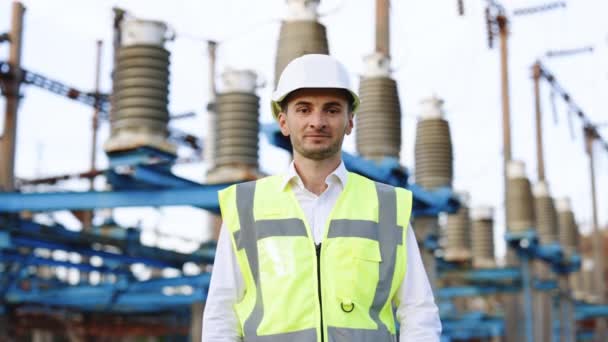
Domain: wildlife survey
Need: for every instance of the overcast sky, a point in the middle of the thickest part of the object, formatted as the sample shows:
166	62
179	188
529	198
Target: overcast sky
434	50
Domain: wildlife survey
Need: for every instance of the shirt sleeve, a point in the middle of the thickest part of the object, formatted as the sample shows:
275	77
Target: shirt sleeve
417	313
226	287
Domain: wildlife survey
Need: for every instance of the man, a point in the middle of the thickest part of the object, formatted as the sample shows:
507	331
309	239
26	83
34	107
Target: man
317	254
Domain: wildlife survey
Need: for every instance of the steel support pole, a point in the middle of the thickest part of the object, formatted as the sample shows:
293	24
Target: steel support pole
542	301
196	321
540	160
12	86
383	27
513	305
87	221
527	293
568	329
598	241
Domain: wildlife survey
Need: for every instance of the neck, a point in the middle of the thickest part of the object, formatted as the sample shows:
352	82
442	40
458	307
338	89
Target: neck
314	172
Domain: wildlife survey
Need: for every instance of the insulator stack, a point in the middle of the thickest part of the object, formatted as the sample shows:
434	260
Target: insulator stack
300	34
140	89
568	229
425	225
546	216
482	237
378	120
458	233
520	204
237	125
433	147
569	239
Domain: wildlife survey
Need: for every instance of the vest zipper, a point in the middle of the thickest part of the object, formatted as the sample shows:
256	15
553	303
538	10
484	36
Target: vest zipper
318	249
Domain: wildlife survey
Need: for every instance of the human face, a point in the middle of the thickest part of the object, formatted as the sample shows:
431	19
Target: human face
316	121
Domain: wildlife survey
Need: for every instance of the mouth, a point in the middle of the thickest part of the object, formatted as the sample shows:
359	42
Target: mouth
316	136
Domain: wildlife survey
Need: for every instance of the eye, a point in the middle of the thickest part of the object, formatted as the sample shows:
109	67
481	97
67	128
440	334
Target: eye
302	110
333	111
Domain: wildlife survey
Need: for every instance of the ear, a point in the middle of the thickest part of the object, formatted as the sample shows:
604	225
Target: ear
350	123
282	118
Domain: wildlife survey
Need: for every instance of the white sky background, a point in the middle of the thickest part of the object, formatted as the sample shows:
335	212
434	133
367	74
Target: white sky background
434	51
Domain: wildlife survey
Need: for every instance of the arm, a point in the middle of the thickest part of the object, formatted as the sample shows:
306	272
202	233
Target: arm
417	313
220	323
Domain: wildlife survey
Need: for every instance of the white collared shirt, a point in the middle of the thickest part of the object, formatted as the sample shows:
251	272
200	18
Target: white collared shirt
417	313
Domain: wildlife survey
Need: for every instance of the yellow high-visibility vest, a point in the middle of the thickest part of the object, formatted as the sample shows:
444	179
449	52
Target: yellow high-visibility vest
344	291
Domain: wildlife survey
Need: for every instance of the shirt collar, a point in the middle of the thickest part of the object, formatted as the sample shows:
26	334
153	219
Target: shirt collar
340	173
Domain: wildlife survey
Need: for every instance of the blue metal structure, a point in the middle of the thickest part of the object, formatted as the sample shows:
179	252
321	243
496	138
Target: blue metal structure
483	282
122	296
141	177
473	325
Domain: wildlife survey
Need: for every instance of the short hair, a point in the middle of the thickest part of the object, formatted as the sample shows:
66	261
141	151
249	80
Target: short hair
349	99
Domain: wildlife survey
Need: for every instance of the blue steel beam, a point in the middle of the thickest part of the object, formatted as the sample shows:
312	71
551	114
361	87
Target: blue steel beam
527	245
132	302
586	311
125	182
472	326
140	156
27	260
485	275
157	176
134	297
585	336
202	196
198	281
129	242
33	243
477	290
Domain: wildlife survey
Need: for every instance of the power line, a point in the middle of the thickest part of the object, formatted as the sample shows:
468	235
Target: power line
573	108
541	8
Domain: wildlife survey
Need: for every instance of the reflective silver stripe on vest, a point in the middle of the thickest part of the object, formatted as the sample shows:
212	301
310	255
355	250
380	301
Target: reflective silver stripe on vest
246	238
359	335
308	335
390	235
268	228
353	228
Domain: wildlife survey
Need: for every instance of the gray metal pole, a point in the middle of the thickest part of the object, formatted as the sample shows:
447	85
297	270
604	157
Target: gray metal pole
383	27
504	72
567	326
9	136
513	303
88	217
598	241
95	123
527	293
542	299
196	324
540	160
87	222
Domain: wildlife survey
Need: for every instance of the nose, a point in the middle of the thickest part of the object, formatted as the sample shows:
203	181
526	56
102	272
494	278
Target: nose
317	120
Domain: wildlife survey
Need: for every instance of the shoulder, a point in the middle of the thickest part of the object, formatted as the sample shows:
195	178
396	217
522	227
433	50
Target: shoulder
264	181
359	179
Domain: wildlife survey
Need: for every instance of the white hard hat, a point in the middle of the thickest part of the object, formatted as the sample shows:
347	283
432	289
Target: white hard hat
312	71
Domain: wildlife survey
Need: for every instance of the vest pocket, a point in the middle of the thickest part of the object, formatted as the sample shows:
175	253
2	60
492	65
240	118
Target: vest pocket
368	251
367	258
351	277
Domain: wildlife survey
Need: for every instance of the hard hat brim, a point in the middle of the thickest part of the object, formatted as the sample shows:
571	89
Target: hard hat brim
275	103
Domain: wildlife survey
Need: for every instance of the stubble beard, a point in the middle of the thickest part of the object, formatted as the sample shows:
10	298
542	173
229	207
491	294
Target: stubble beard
319	154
